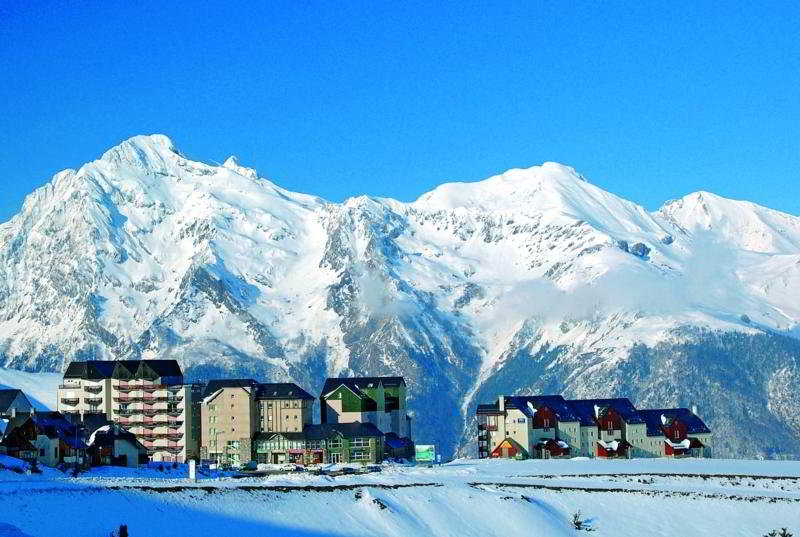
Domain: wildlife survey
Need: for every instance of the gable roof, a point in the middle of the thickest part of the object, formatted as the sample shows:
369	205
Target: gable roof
585	409
7	398
356	384
652	419
282	390
123	369
218	384
556	403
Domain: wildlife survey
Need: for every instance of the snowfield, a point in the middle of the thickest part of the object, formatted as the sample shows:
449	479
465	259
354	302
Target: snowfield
464	498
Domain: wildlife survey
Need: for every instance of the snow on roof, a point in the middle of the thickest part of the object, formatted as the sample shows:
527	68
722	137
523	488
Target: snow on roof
613	445
531	408
683	444
103	429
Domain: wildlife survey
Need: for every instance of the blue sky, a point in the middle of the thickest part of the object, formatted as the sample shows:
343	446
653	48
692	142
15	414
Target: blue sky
650	101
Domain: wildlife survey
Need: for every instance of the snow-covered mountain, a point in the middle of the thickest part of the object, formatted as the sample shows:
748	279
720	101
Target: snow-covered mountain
533	280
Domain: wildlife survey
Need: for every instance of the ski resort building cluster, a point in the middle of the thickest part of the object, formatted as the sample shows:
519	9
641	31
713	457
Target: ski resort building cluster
549	426
128	412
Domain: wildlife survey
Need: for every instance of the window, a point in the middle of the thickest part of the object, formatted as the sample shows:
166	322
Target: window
521	420
233	418
232	396
269	405
269	417
41	452
296	404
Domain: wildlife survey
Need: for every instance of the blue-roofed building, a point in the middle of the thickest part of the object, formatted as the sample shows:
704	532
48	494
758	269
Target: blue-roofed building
538	426
676	432
610	428
548	426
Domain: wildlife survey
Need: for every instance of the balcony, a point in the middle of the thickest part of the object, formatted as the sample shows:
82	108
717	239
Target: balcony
93	389
72	401
93	400
69	386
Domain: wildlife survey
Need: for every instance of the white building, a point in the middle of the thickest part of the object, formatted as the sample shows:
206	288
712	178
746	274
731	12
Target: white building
146	397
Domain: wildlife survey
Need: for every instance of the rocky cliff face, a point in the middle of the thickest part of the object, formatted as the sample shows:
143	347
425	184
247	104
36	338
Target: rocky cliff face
534	280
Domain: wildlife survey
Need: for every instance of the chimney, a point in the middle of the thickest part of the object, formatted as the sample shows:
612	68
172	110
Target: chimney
13	412
501	403
694	410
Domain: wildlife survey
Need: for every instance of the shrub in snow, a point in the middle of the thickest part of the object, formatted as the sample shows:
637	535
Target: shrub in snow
782	533
579	523
623	245
640	249
745	319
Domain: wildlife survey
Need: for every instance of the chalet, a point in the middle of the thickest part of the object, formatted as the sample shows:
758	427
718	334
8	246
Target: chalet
676	432
548	426
610	428
323	443
527	426
111	445
47	437
12	402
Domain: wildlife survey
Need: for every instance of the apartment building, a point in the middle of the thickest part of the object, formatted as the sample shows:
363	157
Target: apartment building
527	426
146	397
233	411
380	401
550	426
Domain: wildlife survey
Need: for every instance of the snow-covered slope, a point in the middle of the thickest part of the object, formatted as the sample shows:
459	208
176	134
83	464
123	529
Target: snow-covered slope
461	499
40	388
533	280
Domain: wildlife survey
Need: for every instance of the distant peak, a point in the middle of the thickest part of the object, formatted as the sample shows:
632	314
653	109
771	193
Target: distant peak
232	162
156	141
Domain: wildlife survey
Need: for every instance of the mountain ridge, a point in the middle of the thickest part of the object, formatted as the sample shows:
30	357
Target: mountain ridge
146	253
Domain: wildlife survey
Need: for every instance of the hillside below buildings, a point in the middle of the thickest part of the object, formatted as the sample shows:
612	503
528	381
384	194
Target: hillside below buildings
533	281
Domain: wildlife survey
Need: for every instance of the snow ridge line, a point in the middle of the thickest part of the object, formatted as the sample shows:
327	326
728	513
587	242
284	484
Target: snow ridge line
644	492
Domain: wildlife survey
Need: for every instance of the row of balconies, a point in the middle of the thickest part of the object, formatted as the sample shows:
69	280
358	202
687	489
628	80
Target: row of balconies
143	422
486	427
169	398
75	400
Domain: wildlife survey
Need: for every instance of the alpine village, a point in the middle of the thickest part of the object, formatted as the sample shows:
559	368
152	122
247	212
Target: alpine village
133	412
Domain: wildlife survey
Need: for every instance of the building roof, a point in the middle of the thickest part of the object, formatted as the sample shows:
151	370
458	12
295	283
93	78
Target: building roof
282	390
123	369
356	384
585	409
7	397
491	408
556	403
652	419
261	390
217	384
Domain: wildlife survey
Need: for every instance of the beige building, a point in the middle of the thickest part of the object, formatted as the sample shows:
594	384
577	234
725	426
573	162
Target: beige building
380	401
233	411
146	397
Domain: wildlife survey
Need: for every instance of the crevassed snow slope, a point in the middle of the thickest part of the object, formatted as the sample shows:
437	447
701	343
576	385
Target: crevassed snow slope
532	280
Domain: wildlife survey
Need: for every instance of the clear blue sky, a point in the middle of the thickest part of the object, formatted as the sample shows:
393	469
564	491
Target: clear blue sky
648	100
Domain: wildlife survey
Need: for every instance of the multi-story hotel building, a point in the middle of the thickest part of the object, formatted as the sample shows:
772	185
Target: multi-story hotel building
233	411
146	397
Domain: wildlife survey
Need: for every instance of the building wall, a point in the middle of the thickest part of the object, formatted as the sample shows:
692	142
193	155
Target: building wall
589	438
84	395
285	415
124	447
569	432
229	421
48	452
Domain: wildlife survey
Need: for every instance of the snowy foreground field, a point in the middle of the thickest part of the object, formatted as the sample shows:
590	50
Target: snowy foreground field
464	498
